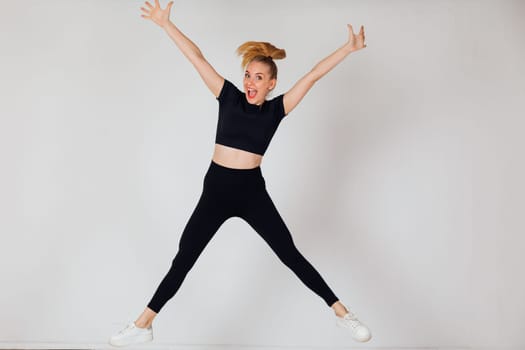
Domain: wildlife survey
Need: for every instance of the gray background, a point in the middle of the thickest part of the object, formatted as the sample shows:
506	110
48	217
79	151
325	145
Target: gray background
400	175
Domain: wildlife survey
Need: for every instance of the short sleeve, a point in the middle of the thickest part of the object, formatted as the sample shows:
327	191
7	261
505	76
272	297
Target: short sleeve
228	91
278	105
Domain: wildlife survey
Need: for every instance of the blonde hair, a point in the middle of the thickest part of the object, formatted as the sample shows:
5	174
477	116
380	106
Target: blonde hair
260	51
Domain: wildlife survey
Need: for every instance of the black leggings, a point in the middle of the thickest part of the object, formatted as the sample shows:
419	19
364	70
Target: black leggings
229	192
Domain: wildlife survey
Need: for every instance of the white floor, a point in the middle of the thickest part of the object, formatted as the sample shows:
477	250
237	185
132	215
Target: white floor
151	346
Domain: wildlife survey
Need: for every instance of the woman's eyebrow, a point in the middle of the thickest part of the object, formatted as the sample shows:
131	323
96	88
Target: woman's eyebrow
255	72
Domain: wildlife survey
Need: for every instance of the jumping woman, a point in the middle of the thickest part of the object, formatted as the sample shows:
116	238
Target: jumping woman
233	184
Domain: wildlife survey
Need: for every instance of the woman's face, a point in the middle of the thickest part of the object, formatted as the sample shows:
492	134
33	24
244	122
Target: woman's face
257	82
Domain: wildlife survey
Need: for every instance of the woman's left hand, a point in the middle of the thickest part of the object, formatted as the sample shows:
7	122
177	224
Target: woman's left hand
356	42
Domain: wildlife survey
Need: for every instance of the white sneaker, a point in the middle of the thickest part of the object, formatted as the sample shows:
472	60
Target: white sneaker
360	332
132	335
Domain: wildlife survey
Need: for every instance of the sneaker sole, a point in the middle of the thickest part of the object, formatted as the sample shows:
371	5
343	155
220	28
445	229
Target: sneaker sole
135	340
341	325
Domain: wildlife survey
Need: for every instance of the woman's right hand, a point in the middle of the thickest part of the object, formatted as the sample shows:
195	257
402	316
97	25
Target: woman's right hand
156	14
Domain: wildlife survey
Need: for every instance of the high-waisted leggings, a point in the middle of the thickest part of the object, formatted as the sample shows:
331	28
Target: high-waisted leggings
229	192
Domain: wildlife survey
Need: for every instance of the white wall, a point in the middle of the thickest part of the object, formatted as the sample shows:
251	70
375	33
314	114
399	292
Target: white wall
400	175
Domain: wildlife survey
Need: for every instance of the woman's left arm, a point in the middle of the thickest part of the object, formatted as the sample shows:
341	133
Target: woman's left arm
292	98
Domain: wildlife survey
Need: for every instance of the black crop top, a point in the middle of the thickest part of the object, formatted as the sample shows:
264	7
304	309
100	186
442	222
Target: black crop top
244	125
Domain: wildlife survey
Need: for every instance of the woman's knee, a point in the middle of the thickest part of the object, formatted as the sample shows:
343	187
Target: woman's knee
289	255
185	259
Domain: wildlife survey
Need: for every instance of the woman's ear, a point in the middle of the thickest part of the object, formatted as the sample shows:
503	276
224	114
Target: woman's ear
273	82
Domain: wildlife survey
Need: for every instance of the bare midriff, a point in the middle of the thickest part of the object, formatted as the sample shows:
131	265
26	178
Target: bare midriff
235	158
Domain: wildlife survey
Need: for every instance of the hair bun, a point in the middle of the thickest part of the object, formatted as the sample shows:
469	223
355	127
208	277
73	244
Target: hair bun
251	49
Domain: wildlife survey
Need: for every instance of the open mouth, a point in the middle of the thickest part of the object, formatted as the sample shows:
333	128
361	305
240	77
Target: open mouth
252	93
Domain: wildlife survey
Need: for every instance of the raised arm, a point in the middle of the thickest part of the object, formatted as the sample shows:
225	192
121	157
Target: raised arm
298	91
213	80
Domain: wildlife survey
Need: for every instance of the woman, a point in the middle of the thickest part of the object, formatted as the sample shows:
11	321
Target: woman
233	184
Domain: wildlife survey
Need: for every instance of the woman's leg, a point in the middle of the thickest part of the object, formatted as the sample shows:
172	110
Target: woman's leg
204	222
262	215
207	217
146	318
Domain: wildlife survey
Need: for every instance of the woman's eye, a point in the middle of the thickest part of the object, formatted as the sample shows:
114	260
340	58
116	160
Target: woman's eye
246	75
259	77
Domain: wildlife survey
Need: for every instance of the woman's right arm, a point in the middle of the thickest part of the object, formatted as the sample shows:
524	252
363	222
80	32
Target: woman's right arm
213	80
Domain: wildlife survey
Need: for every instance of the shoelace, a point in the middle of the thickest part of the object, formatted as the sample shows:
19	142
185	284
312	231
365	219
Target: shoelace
353	321
129	326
